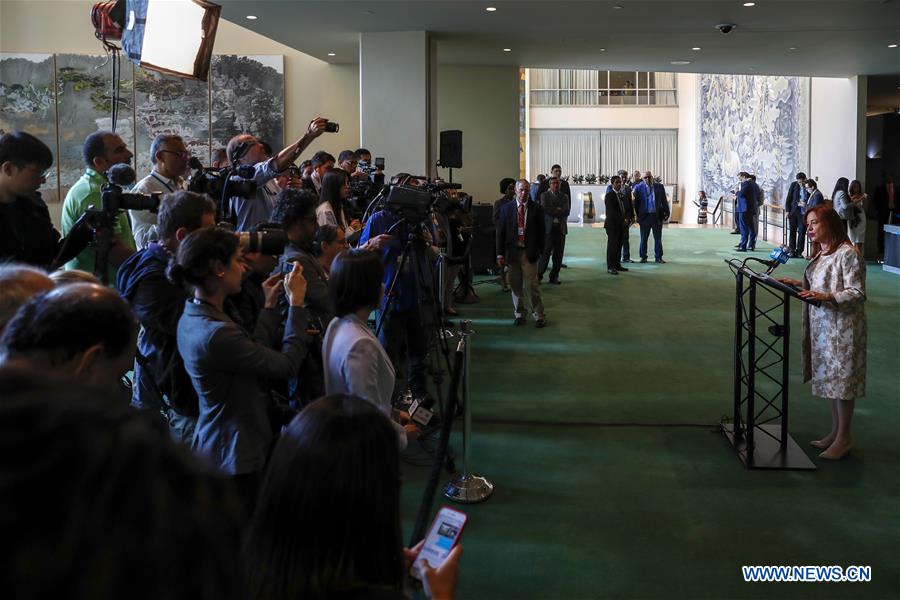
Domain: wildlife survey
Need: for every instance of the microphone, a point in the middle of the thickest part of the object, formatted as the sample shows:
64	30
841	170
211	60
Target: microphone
778	256
421	411
195	163
121	174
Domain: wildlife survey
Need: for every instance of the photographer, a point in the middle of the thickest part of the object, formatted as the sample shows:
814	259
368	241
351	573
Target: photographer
247	150
170	159
227	365
26	233
160	381
101	150
322	162
348	160
409	322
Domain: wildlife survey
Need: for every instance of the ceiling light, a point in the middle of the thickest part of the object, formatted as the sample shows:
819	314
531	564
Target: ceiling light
680	62
792	48
331	54
749	4
696	48
602	49
618	7
892	46
252	17
491	9
507	49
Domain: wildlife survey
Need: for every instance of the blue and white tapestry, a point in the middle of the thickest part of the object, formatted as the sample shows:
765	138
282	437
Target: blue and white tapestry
758	124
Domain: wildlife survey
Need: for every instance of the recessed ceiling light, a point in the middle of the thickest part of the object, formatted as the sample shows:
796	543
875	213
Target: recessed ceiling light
602	49
749	4
491	9
618	7
252	17
696	48
507	49
331	54
680	62
892	46
792	48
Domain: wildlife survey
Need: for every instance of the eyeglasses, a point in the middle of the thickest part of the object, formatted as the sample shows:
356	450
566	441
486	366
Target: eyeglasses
36	169
181	153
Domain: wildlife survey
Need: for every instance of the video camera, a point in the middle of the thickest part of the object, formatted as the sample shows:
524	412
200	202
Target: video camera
213	182
414	199
113	198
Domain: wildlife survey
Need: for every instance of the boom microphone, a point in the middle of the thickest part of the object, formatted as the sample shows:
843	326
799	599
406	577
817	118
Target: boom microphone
121	174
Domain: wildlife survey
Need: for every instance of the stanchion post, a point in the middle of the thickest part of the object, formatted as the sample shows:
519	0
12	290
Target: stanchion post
467	488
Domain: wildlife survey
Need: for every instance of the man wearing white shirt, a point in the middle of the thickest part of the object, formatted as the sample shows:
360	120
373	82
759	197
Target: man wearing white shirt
170	159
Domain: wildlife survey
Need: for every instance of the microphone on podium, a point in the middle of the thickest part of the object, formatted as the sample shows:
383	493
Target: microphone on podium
421	411
778	256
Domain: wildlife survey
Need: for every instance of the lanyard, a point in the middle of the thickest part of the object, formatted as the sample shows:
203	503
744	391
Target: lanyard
156	177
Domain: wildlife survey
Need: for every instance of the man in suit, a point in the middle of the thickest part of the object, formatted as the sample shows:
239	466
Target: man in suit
759	202
615	226
520	243
795	204
555	171
652	209
556	207
508	189
628	207
887	203
745	212
815	195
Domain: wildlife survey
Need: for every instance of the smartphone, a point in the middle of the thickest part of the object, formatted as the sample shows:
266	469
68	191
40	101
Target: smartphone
442	537
379	163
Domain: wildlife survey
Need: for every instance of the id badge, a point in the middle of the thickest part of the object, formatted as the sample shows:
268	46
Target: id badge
521	231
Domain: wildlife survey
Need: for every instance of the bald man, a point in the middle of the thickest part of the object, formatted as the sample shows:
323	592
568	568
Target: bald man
652	209
18	284
82	331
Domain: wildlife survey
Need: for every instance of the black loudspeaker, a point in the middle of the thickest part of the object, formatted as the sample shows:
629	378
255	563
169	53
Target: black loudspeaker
451	149
483	251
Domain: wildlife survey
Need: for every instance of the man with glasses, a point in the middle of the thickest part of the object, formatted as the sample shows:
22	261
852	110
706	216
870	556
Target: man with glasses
652	209
170	159
348	160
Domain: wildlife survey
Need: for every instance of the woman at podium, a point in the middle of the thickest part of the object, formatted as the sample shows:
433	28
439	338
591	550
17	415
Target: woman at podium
834	333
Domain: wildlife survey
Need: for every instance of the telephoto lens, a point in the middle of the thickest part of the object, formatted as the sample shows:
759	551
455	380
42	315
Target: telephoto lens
266	241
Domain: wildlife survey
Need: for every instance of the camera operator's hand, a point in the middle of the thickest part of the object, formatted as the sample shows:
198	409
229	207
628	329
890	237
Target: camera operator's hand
378	242
412	432
443	581
316	128
501	262
295	286
272	289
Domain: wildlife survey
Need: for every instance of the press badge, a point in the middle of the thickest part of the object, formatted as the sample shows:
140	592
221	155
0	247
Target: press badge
521	231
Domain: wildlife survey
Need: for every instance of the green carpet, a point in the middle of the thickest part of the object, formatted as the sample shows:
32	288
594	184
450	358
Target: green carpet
626	505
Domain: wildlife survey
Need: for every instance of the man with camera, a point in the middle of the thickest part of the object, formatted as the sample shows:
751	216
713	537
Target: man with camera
101	151
170	159
160	380
26	233
246	150
348	160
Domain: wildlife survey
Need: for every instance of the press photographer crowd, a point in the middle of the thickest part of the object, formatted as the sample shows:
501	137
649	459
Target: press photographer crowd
192	381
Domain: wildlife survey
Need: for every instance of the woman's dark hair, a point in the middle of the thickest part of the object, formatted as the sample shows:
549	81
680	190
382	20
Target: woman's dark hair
854	184
833	232
842	185
192	263
332	183
355	281
292	206
23	149
327	519
98	501
325	234
812	183
505	183
182	209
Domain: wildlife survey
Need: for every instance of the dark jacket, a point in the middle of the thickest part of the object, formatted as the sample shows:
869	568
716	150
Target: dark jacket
228	368
627	203
792	200
615	215
495	213
556	207
158	304
318	300
508	231
815	199
641	194
26	233
563	187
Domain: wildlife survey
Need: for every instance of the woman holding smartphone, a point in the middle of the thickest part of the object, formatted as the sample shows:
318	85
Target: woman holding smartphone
834	333
328	521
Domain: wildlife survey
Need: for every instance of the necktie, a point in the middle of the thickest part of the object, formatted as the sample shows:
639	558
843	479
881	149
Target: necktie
520	240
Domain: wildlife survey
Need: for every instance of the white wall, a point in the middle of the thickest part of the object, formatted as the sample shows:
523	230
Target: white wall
483	102
394	96
688	149
611	117
833	131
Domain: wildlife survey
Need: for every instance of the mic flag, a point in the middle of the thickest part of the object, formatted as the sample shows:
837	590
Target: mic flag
421	412
778	256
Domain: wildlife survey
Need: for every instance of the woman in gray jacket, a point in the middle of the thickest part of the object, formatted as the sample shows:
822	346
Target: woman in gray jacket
228	367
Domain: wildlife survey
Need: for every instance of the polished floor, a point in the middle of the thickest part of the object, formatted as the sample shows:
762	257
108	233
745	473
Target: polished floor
599	434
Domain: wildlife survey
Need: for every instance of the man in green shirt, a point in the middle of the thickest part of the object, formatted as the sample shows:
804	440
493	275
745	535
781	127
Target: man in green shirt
102	150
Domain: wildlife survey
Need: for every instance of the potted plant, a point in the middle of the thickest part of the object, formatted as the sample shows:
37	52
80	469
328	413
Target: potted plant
577	179
590	179
603	179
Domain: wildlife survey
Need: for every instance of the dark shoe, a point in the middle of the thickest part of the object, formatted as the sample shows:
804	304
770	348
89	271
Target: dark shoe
741	249
620	269
542	322
612	271
564	266
738	246
519	321
643	260
660	261
556	282
752	248
627	260
735	233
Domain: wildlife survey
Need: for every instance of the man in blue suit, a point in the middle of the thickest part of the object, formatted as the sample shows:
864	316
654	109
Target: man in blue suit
796	205
652	209
745	211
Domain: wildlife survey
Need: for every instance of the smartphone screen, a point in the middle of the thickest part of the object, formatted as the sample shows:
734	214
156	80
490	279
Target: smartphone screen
379	163
443	535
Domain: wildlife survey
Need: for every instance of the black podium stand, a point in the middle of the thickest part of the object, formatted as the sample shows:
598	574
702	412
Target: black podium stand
759	429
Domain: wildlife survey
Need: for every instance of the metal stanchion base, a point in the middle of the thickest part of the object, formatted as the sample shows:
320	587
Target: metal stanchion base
468	489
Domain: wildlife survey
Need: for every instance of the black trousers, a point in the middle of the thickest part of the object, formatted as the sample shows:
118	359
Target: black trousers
797	235
614	239
554	246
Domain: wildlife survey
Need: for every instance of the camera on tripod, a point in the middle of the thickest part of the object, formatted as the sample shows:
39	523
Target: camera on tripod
213	182
413	199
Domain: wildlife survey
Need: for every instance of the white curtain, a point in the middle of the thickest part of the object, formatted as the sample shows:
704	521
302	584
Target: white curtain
584	151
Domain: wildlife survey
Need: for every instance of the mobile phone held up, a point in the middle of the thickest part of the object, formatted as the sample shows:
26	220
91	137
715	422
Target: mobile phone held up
442	536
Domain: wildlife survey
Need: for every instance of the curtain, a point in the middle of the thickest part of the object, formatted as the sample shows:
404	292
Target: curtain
583	151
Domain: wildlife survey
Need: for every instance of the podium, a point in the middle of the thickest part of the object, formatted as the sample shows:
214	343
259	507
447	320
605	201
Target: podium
759	427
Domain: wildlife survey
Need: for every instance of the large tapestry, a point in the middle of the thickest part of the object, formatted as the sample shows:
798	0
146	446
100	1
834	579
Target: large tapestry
758	124
64	97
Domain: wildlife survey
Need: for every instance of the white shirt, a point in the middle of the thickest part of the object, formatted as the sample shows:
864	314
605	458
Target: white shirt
143	222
